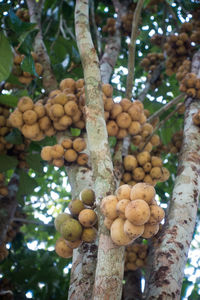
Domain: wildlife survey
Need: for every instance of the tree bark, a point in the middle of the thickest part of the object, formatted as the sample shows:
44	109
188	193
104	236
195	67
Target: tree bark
170	255
110	263
8	206
48	78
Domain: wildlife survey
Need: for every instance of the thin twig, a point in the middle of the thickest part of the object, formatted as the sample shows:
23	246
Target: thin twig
132	47
25	221
165	107
68	30
159	125
61	27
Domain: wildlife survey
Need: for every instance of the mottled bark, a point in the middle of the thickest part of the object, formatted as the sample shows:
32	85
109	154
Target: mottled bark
8	206
170	255
109	271
48	78
132	48
132	286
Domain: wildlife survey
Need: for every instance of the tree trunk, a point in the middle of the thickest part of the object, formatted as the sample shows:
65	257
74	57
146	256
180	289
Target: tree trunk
170	255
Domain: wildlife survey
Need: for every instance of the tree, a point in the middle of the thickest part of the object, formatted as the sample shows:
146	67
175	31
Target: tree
41	44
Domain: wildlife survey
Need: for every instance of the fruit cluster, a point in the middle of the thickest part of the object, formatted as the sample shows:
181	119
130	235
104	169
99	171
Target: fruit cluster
5	128
135	256
110	26
190	84
23	14
68	151
24	77
78	226
3	186
152	60
183	70
143	167
132	213
127	19
157	39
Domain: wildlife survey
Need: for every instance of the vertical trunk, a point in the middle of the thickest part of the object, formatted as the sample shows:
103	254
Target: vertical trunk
109	271
48	78
170	256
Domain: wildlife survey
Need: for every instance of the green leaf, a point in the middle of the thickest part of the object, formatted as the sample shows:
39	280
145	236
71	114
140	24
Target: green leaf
6	57
112	141
27	184
28	65
35	162
7	162
18	26
14	137
9	100
75	131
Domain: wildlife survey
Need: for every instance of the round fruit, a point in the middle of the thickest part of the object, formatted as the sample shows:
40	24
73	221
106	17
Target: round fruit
71	230
87	196
137	212
62	249
123	192
87	217
108	207
61	218
133	231
76	206
143	191
117	233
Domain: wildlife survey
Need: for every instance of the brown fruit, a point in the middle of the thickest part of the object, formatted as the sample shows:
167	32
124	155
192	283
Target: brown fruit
62	249
31	131
112	128
143	191
57	110
143	157
38	68
65	121
122	133
108	207
82	159
130	162
127	176
157	214
116	110
44	123
76	206
138	174
156	161
29	117
60	98
70	155
57	151
67	143
39	109
87	217
137	212
58	162
68	83
89	235
16	119
71	108
123	192
108	222
120	207
117	233
133	231
107	89
156	173
123	120
134	128
165	174
75	244
25	103
46	153
155	140
108	104
147	167
79	144
50	131
125	104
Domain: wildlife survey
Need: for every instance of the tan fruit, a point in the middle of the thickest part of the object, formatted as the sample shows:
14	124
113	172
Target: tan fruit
71	108
131	256
106	115
120	207
71	230
108	207
143	191
74	245
79	144
60	98
156	173
68	83
25	103
39	109
67	143
44	123
165	174
137	212
76	117
148	147
127	176
89	235
25	80
18	59
138	174
108	222
38	68
134	128
142	119
125	104
117	233
130	162
132	182
123	120
139	263
150	230
30	131
112	128
136	140
107	89
57	110
87	196
116	110
70	155
122	133
82	159
147	112
108	104
61	218
16	119
157	214
156	161
147	129
62	249
135	112
131	266
50	131
57	151
58	162
143	157
123	192
46	153
147	167
29	117
65	121
80	124
76	206
155	140
87	217
133	231
79	84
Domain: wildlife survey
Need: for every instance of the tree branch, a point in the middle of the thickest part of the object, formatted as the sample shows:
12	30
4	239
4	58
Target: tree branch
48	78
26	221
165	107
132	48
108	280
171	255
